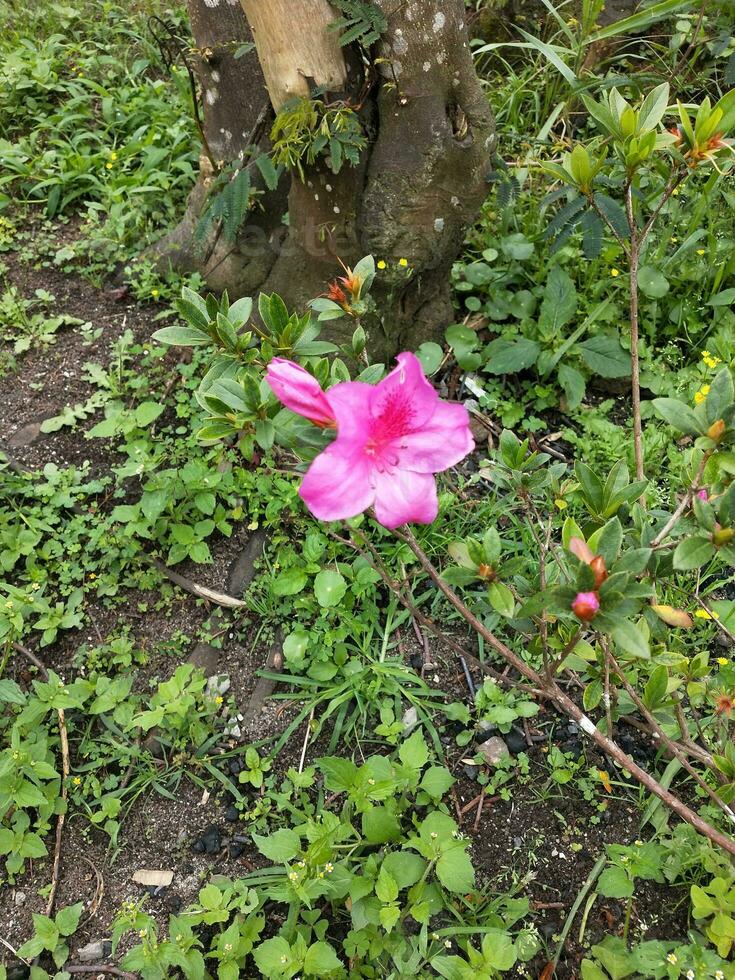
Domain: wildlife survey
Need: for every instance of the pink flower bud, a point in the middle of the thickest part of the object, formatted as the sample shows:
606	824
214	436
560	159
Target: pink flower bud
586	606
300	391
703	495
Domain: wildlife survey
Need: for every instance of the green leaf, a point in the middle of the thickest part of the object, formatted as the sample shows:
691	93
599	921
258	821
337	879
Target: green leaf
289	582
630	640
11	692
463	342
615	883
651	282
380	825
509	356
431	356
414	752
560	300
573	383
46	931
321	960
386	887
406	868
329	588
182	337
273	957
147	412
279	847
656	687
654	106
603	355
454	870
501	599
693	552
677	414
436	781
637	23
67	919
389	915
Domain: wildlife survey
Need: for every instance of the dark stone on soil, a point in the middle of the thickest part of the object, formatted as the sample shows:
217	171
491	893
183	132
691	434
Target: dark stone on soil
212	839
232	814
573	747
484	734
471	772
95	952
235	849
18	971
516	741
235	766
242	570
209	841
206	657
25	435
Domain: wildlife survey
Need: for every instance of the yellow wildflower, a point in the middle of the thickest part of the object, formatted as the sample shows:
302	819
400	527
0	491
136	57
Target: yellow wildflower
706	614
382	263
403	262
675	192
219	699
614	273
154	293
108	166
699	396
700	251
723	661
113	155
77	781
673	239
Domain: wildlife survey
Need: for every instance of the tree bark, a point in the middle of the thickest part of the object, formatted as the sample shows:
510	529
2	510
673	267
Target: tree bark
293	60
233	96
419	183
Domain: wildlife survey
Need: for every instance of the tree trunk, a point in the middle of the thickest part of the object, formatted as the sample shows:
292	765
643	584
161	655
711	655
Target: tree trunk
419	183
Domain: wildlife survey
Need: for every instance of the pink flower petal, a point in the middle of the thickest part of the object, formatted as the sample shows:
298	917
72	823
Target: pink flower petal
441	443
349	402
404	397
581	550
403	497
338	484
299	391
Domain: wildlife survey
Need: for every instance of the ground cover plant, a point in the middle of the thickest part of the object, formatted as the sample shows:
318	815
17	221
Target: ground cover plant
317	662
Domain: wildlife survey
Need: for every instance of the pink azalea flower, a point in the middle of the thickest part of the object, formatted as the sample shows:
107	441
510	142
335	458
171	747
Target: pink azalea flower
391	439
299	391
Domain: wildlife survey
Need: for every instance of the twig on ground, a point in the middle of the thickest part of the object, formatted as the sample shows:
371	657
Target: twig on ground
306	740
201	591
586	886
98	968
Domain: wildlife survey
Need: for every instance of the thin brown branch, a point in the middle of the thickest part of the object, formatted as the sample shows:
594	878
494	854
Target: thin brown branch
664	739
635	370
553	691
684	504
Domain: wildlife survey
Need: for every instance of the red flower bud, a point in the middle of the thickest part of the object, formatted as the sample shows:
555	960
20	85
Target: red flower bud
586	606
599	570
